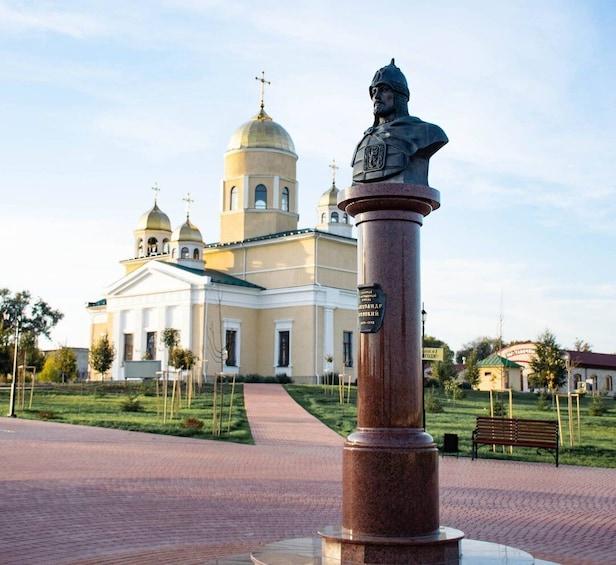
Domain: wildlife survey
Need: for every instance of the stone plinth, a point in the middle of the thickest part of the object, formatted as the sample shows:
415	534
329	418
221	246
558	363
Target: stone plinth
390	497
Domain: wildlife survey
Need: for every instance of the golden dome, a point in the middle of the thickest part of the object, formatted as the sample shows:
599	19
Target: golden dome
154	219
329	197
187	232
261	132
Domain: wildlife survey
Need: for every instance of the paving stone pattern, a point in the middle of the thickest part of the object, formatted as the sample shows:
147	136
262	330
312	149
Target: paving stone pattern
75	495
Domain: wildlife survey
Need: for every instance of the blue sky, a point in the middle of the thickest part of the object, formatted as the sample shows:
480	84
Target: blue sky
101	99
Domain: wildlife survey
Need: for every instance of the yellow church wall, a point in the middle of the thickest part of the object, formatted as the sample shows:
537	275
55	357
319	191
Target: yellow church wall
260	162
302	342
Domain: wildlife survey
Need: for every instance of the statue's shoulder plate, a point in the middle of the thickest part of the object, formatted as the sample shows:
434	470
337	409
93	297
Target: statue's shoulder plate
377	159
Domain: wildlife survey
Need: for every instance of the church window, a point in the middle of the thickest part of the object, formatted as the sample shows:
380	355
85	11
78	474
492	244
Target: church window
150	345
284	348
185	254
285	199
608	383
140	248
261	197
173	253
323	217
128	347
347	348
165	246
231	348
345	218
233	198
152	246
334	217
196	254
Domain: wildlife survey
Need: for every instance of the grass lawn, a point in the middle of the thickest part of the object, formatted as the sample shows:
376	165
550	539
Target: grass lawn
598	434
104	405
96	404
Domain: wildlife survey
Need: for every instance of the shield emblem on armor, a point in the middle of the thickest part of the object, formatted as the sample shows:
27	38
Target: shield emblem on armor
374	157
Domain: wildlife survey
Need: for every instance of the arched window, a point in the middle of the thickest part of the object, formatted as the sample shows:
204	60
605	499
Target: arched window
196	254
140	248
184	254
608	383
285	199
345	218
152	246
233	196
260	197
323	217
165	246
334	217
173	253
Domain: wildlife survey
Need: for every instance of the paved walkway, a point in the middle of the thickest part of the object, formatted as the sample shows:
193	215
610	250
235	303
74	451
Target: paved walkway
73	495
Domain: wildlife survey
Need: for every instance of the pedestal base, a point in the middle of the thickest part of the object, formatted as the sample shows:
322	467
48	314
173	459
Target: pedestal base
435	549
308	551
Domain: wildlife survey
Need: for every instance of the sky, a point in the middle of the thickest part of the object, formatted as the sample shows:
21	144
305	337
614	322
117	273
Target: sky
101	99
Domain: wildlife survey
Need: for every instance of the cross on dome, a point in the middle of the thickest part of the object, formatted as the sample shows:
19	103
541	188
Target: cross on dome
263	83
334	168
188	201
156	191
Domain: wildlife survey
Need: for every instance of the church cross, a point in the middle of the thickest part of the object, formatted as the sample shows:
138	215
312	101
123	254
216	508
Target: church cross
263	83
334	168
188	201
156	191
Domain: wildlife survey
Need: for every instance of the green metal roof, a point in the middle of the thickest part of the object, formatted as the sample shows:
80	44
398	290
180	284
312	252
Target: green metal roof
216	276
498	361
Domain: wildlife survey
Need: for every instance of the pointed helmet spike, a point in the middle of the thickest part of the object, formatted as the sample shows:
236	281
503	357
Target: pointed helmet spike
391	76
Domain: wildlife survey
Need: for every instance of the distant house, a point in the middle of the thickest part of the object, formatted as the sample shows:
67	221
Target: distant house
587	371
499	373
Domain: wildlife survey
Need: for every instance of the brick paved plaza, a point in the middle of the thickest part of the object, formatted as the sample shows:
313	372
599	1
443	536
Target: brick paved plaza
77	495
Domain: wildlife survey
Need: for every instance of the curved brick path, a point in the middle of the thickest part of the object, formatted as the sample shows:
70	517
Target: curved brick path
76	495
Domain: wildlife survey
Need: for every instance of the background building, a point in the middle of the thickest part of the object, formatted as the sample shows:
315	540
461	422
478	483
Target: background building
593	372
268	298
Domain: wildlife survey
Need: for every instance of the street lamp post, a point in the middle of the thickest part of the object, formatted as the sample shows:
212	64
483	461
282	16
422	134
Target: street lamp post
11	413
424	315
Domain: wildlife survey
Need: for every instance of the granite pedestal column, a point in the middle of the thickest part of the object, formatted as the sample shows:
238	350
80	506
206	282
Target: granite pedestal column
390	496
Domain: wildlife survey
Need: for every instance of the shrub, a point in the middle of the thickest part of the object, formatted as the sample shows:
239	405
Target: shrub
432	403
132	405
191	424
598	405
499	408
544	402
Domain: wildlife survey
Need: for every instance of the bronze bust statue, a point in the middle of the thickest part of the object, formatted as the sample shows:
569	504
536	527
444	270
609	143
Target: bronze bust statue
398	147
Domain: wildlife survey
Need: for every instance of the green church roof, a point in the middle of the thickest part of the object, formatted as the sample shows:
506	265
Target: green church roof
498	361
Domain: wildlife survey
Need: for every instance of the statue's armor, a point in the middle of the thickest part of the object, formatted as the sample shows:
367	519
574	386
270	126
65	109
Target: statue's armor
376	159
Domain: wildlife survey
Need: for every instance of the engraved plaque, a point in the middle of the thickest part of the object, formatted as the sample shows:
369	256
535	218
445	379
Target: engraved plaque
371	308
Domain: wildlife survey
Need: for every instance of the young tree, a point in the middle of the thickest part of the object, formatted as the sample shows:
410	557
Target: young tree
181	358
580	345
102	355
19	315
471	374
60	366
547	365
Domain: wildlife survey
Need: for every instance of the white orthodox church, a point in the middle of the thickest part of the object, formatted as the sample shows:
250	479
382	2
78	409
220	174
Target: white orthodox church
268	298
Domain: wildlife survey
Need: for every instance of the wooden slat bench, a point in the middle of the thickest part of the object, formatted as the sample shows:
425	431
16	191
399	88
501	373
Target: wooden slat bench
542	434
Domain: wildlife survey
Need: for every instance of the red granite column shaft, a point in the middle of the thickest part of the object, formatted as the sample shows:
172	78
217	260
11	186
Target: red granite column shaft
390	465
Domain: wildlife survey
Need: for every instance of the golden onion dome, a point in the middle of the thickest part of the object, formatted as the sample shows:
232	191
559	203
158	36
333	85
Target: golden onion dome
261	132
154	219
187	232
329	197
